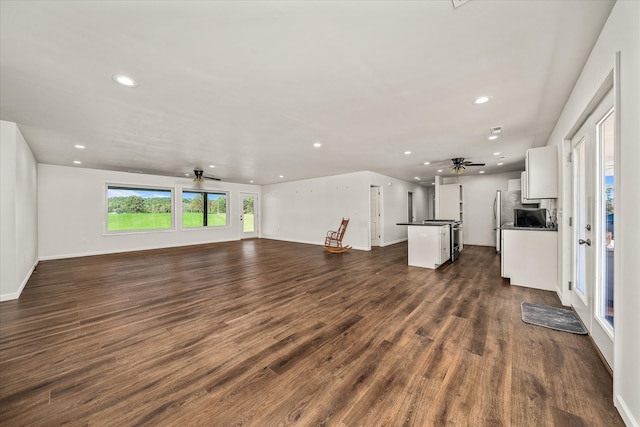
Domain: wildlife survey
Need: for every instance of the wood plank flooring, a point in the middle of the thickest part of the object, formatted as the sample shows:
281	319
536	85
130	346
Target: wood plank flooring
268	333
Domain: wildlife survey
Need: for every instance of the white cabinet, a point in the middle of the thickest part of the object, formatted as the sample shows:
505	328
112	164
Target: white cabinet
524	193
530	258
540	180
428	245
450	202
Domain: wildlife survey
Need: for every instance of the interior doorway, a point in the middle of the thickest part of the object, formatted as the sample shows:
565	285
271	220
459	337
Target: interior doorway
376	216
411	214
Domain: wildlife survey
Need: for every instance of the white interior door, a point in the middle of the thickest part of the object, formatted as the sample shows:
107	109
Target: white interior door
249	215
593	238
375	216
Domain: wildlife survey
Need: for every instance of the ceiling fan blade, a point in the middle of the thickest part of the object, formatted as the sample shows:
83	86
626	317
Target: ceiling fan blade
473	164
212	178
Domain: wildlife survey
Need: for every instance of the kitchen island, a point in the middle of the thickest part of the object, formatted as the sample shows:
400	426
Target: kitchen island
429	243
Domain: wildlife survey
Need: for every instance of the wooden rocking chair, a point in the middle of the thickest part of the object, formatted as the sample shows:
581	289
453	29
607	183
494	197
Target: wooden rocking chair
333	241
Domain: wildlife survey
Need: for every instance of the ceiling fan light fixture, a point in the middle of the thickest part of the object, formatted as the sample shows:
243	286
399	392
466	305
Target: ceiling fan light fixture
198	176
457	169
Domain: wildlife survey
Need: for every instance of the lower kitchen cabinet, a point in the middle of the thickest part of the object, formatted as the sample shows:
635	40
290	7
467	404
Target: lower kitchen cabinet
429	247
530	258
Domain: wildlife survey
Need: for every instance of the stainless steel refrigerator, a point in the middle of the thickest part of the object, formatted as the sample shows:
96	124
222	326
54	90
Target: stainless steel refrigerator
503	206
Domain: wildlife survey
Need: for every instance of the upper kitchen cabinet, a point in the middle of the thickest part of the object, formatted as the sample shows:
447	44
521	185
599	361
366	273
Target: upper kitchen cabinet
524	187
450	202
540	180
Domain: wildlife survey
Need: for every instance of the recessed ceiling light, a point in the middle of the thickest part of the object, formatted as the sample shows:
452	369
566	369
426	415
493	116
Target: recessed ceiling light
251	182
500	164
407	153
186	174
481	100
481	172
125	80
317	144
496	153
427	163
80	147
281	176
77	162
492	137
416	177
433	183
439	170
212	166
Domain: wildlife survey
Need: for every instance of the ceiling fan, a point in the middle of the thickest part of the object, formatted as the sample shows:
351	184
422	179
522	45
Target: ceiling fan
459	165
199	177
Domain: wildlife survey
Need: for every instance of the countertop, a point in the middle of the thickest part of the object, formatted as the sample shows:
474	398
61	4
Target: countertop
513	227
427	224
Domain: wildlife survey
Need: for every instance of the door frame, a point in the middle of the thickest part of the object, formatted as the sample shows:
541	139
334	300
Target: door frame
256	215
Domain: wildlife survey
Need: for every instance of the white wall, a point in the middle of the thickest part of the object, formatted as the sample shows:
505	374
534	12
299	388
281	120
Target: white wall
303	211
621	33
72	209
478	195
395	205
18	214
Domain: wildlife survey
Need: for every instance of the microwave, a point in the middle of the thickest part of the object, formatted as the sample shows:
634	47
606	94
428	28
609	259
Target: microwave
533	218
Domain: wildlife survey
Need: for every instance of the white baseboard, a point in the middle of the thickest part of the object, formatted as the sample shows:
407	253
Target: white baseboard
308	242
625	413
393	242
143	248
16	295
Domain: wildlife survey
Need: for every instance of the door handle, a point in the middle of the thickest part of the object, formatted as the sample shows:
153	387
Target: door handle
582	242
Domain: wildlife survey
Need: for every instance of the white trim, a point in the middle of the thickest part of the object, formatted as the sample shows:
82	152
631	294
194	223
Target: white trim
308	242
625	412
394	242
16	295
143	248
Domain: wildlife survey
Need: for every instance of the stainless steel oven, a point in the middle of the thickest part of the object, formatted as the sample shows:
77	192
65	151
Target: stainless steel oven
456	240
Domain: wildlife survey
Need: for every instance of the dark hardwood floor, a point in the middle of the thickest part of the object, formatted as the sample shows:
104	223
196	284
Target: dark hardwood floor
268	333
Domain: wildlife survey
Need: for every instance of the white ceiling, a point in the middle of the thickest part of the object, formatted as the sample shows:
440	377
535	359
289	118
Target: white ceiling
250	86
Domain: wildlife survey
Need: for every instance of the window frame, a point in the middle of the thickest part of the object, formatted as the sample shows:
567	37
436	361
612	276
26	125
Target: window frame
110	185
205	192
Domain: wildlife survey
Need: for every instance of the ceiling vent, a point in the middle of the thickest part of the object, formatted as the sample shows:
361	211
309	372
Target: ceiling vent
496	130
458	3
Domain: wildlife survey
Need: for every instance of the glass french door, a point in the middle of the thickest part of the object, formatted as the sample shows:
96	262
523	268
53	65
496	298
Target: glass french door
249	216
606	244
592	296
581	290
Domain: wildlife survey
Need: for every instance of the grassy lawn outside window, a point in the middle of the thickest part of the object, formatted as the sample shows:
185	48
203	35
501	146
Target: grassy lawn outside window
139	208
204	209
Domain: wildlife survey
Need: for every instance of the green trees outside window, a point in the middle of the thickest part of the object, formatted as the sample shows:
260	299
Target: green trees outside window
131	208
203	209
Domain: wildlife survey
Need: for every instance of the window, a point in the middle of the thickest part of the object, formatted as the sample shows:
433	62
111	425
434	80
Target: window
134	208
202	209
